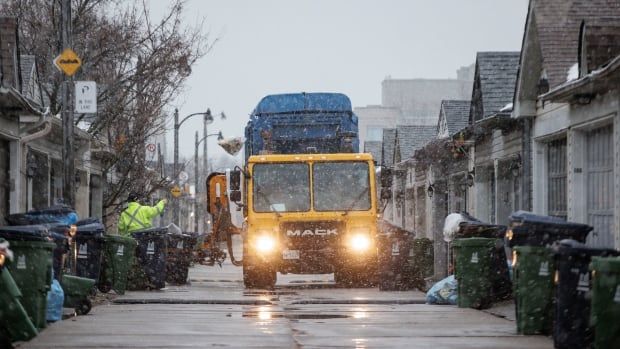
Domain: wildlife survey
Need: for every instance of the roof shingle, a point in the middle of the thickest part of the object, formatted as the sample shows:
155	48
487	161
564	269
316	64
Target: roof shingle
374	148
497	72
412	138
558	23
456	114
388	145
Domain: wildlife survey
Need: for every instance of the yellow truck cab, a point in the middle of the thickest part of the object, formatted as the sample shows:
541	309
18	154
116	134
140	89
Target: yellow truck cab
309	214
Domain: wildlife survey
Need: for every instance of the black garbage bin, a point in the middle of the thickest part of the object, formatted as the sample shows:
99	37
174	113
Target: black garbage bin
571	328
60	252
179	255
528	229
87	251
151	255
394	245
501	285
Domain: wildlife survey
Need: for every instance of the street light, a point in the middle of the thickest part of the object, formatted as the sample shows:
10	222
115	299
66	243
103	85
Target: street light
196	175
208	118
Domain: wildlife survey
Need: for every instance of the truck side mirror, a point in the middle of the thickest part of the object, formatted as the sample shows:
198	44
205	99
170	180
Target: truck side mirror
235	182
235	195
386	178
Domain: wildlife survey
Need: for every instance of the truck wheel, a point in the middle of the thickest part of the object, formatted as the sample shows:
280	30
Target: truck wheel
259	277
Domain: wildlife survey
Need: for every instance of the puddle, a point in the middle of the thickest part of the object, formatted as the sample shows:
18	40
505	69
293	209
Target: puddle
266	315
269	293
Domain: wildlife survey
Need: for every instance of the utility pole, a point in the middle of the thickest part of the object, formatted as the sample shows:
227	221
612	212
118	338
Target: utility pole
175	174
197	182
205	173
68	155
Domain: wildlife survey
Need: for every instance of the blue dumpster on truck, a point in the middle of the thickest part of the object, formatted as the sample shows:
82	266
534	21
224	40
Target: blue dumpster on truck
302	123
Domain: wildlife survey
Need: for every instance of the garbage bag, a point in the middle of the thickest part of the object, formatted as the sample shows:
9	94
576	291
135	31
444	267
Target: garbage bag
55	301
443	292
173	229
4	250
231	145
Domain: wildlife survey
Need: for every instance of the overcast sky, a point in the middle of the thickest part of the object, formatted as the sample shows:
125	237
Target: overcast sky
349	46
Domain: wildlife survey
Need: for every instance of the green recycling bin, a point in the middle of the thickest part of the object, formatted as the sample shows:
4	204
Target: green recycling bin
605	306
533	271
77	291
31	267
473	272
117	259
15	325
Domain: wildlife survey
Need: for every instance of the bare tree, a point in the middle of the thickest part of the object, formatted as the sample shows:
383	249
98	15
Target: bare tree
140	66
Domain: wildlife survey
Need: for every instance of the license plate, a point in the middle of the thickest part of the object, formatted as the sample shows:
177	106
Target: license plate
290	254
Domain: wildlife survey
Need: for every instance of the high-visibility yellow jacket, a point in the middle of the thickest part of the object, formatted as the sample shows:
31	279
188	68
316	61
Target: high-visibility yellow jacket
136	217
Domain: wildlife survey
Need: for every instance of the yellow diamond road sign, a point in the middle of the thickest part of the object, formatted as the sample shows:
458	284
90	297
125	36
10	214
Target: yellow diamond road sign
175	191
68	62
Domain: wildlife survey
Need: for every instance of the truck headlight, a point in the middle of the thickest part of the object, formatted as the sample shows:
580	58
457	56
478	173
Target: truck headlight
359	239
265	243
359	242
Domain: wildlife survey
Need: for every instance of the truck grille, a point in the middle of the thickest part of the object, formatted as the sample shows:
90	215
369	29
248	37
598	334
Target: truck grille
311	235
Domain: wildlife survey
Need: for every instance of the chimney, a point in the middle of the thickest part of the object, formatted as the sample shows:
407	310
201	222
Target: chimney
10	75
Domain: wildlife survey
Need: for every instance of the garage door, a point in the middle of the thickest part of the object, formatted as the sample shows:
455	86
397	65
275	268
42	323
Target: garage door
600	188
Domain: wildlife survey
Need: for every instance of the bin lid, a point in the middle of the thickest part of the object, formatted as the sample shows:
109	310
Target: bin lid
525	218
150	231
470	242
58	237
94	229
119	239
569	247
25	233
59	228
605	264
89	220
532	249
481	229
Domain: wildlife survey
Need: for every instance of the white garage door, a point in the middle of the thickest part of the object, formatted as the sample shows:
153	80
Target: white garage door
600	188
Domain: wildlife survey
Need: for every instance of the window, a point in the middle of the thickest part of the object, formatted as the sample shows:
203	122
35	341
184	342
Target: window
281	187
341	186
556	178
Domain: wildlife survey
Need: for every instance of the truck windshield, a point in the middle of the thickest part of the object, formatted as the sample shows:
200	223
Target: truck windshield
341	186
281	187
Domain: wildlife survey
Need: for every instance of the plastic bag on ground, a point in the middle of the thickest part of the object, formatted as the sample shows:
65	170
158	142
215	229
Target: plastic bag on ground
55	301
443	292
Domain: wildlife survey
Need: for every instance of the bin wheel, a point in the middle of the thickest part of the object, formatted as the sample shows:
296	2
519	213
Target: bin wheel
84	307
104	287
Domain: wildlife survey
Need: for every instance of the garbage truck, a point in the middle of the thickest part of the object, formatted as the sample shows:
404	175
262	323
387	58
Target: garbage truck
308	196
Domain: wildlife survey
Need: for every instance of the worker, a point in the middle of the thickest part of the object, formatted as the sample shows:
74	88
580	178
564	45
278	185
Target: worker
136	216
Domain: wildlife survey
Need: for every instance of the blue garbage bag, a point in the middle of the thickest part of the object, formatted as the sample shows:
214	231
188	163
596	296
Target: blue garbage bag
55	300
443	292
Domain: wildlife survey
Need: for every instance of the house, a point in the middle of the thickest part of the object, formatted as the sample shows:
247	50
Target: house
31	140
453	120
567	97
495	160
